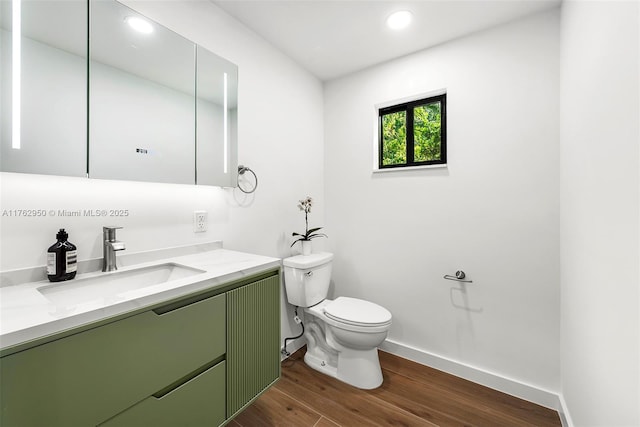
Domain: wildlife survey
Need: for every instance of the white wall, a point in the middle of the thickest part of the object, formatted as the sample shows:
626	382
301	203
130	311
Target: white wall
493	212
600	187
280	137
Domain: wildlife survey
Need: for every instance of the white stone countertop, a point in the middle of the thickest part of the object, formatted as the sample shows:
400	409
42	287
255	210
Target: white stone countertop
26	314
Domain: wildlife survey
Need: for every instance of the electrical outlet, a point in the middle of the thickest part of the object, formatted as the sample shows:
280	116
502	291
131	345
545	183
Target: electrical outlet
200	221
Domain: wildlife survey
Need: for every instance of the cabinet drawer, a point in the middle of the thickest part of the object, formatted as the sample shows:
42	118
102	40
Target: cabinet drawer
86	378
199	402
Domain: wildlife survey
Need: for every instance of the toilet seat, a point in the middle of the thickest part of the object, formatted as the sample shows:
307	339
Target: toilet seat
357	312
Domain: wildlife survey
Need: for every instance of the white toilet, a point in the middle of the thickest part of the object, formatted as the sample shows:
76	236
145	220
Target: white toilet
342	335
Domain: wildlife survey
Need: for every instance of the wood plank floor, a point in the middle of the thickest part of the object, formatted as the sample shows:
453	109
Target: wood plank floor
411	395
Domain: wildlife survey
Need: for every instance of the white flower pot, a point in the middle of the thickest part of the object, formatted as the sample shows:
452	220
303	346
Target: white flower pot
306	247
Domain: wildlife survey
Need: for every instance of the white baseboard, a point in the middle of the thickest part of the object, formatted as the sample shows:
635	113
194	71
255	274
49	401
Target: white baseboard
565	418
510	386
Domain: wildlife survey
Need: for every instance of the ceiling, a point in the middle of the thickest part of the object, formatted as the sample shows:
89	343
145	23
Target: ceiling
331	38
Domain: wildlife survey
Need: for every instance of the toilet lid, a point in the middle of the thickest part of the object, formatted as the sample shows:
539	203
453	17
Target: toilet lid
357	312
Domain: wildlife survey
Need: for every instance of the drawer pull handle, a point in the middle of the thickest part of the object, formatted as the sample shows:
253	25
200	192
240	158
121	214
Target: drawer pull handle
171	387
182	303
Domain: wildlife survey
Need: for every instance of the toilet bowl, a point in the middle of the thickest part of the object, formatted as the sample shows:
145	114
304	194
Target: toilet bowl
342	334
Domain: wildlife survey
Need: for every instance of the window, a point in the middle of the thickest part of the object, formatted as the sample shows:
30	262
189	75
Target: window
413	133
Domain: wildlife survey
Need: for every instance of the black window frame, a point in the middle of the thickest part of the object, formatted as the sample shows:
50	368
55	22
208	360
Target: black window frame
408	108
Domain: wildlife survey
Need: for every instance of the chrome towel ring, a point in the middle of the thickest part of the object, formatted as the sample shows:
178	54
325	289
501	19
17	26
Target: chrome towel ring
241	171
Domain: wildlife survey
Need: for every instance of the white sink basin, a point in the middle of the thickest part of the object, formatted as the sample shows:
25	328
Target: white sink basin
112	285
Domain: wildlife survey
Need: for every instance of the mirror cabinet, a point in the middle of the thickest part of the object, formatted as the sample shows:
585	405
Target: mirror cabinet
131	100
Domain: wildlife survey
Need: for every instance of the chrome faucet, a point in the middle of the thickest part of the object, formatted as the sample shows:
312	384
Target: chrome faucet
109	248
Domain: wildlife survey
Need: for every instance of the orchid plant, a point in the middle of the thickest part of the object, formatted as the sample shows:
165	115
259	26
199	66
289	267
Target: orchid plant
305	205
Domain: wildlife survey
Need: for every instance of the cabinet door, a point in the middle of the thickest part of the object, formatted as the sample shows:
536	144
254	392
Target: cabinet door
197	403
86	378
253	341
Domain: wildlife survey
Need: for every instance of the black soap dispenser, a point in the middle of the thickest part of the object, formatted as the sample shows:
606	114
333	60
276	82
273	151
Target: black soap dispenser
62	259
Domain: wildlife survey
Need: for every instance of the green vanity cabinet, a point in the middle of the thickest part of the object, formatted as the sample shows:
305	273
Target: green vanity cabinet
253	341
178	363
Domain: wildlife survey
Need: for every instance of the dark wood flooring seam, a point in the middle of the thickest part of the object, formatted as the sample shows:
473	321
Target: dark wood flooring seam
301	403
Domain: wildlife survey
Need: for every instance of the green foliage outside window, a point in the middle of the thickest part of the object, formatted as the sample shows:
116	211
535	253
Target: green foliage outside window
394	136
426	132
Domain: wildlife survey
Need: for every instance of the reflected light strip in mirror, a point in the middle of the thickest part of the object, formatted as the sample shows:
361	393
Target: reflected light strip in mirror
139	24
16	48
226	137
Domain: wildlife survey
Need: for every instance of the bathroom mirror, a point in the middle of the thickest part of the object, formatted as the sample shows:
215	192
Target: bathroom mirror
141	118
43	125
216	119
141	98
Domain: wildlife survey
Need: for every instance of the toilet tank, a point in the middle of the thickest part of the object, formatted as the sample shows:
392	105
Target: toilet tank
307	277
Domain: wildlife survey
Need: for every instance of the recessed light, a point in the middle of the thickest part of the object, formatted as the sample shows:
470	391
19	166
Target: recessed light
139	24
399	20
